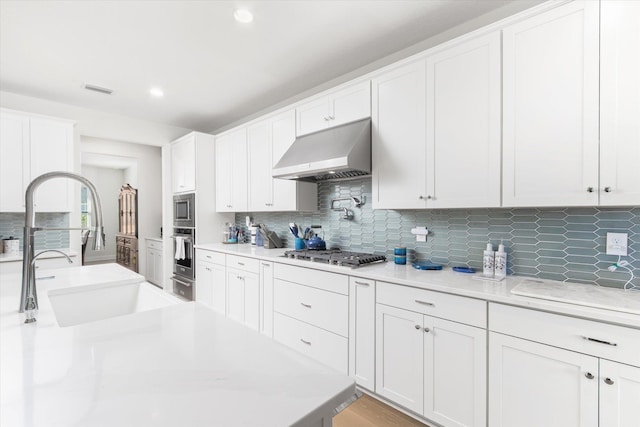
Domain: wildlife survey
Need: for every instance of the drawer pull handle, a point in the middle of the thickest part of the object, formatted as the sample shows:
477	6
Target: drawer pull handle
608	381
600	341
361	283
589	375
430	304
305	305
241	263
427	330
266	265
418	327
306	342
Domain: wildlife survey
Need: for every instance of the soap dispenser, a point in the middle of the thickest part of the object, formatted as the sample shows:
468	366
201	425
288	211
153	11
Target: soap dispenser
501	262
488	261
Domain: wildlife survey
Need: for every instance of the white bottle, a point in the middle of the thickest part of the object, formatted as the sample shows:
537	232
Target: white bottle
501	262
488	261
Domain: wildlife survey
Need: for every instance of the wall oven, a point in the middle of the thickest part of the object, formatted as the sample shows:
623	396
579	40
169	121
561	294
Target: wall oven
184	210
184	266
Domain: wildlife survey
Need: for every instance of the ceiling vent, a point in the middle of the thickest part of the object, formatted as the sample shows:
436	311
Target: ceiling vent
98	89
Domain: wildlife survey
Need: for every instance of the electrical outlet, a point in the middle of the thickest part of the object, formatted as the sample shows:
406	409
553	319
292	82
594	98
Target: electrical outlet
617	244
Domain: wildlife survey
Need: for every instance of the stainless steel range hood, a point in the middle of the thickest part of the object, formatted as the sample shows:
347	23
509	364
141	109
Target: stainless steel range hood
336	153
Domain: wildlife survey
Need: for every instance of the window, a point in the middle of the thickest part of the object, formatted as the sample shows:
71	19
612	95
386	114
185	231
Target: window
85	208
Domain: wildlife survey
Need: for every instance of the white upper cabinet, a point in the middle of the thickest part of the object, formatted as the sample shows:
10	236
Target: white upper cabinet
463	125
550	108
620	103
267	142
29	147
183	164
231	172
398	115
343	106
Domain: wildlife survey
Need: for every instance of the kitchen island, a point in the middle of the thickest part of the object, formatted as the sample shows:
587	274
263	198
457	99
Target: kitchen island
181	365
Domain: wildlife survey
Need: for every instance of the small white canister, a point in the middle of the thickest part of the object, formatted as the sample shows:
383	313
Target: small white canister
11	246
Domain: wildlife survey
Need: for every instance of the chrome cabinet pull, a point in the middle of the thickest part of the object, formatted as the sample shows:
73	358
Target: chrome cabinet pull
241	263
418	327
361	283
607	189
600	341
421	197
430	197
427	330
589	375
305	341
266	265
305	305
589	189
608	381
430	304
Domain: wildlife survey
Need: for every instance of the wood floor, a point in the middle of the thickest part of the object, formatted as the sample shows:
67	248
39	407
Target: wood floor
370	412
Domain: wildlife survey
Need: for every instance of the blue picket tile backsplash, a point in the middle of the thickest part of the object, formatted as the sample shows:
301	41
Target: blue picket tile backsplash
12	225
564	244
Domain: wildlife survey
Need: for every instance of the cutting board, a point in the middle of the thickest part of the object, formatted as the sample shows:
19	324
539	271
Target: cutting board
588	295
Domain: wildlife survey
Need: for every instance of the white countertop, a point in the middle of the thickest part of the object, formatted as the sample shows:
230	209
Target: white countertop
182	365
155	239
463	284
4	257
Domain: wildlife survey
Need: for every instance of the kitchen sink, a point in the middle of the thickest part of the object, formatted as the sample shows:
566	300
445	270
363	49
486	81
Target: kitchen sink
83	304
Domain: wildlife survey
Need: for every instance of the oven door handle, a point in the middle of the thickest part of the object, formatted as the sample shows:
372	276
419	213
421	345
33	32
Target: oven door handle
185	238
175	279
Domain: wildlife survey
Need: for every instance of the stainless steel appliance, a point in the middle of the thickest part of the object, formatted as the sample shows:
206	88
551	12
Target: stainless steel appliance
184	271
336	257
184	210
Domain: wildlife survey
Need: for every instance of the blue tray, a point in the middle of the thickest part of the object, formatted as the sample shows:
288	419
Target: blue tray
426	265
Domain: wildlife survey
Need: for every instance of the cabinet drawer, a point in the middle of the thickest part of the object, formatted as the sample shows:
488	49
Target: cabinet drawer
452	307
153	244
333	282
324	309
211	256
251	265
323	346
611	342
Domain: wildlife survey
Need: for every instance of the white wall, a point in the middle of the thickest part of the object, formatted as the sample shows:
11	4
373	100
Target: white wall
148	182
108	182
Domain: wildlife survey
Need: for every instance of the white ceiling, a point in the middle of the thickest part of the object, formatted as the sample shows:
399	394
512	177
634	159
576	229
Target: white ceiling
212	69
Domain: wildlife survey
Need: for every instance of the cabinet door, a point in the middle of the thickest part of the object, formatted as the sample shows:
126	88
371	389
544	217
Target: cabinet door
150	273
260	180
235	296
550	108
455	373
619	394
533	385
51	149
312	116
464	125
251	300
183	165
398	138
14	137
620	103
362	332
399	356
266	298
350	104
157	265
231	172
219	288
204	284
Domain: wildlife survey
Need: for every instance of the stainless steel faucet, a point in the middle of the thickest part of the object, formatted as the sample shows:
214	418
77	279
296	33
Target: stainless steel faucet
29	296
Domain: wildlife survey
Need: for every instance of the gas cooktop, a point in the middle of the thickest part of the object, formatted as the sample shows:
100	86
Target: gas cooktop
336	257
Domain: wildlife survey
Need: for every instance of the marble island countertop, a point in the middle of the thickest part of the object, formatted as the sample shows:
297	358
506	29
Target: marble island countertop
179	365
586	301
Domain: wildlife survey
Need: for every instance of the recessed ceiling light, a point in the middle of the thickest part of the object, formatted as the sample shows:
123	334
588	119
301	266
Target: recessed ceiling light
157	92
243	15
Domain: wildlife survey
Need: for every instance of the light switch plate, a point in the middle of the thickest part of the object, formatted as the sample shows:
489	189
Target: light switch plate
617	244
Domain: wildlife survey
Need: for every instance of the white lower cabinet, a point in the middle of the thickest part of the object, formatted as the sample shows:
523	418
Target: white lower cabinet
432	366
211	280
243	297
266	298
311	313
362	331
559	371
153	272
